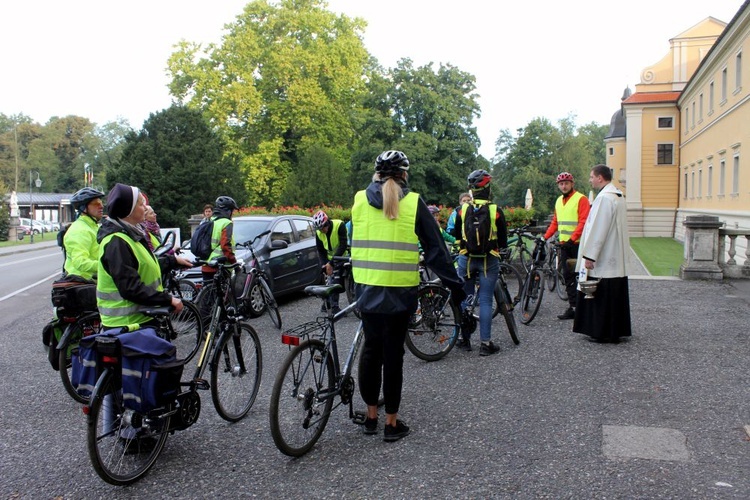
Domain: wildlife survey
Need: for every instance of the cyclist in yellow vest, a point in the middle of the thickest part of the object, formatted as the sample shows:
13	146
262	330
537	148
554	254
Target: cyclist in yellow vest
388	224
571	210
485	266
79	243
331	240
222	236
129	275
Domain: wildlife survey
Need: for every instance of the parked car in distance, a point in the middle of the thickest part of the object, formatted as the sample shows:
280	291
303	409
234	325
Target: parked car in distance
23	230
37	226
290	268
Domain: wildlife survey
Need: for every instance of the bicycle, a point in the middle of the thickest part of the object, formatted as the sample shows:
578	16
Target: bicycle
518	239
503	303
554	270
124	443
310	378
235	358
342	274
252	287
533	285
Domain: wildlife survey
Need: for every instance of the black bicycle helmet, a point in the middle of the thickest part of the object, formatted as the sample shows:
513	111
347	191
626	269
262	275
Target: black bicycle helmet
226	203
83	197
479	179
391	162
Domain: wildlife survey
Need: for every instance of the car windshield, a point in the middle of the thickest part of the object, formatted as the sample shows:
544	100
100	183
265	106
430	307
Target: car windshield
247	230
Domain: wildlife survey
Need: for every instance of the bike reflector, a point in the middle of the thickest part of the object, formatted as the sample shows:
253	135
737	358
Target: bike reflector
289	339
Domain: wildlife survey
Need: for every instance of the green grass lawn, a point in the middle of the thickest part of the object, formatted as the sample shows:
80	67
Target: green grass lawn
661	256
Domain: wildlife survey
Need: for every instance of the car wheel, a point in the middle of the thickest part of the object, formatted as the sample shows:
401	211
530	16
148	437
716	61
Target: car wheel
257	306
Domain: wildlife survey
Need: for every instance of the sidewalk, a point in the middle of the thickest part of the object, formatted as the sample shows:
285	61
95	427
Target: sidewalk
49	241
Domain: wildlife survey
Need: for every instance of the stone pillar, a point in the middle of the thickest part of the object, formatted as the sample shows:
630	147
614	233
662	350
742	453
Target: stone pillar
701	248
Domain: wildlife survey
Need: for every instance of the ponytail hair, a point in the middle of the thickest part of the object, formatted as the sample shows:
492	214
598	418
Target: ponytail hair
392	193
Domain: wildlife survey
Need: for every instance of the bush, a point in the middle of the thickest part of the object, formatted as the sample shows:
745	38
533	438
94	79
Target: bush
4	223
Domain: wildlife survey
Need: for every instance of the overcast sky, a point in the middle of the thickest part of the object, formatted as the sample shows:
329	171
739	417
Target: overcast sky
103	59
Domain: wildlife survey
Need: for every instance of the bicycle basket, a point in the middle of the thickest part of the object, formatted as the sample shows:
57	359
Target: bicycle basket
241	284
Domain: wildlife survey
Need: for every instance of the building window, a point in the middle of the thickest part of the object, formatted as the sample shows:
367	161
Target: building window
722	177
687	120
664	154
736	174
723	85
700	108
700	182
710	180
710	98
692	110
665	122
692	184
684	194
611	151
738	70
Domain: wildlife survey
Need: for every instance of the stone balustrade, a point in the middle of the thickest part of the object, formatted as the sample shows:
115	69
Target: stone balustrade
711	250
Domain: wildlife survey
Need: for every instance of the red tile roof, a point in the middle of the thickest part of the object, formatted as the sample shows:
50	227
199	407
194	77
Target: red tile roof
652	97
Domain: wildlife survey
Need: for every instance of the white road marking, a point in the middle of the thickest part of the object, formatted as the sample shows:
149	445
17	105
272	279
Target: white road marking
30	286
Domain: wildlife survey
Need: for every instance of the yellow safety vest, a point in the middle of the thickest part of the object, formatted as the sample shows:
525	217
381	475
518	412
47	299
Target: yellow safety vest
219	225
113	308
567	215
81	248
385	252
334	238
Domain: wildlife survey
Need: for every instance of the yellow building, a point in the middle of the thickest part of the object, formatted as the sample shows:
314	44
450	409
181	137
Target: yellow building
674	145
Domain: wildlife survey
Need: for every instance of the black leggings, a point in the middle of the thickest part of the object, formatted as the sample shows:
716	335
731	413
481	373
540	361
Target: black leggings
382	358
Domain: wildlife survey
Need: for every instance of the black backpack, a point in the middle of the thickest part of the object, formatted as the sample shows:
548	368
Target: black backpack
477	229
200	241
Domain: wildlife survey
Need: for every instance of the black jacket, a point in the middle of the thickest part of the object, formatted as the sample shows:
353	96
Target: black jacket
381	299
120	263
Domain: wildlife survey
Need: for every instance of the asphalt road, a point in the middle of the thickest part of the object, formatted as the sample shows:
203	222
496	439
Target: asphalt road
661	416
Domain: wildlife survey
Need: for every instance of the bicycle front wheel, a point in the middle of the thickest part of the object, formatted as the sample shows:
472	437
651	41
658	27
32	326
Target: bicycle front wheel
88	324
272	307
302	398
187	331
434	327
513	281
123	445
502	297
236	372
562	291
531	297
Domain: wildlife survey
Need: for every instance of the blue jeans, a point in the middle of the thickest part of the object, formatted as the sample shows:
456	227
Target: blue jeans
486	270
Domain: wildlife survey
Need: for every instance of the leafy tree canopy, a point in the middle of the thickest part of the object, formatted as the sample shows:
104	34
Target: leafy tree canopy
286	76
178	161
533	158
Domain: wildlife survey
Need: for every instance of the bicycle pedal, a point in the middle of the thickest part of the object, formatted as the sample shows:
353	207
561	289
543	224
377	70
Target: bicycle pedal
201	384
359	417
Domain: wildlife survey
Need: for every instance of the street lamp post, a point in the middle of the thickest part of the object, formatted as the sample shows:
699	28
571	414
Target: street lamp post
38	183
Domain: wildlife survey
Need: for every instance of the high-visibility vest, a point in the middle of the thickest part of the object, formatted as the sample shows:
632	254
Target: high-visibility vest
385	252
333	234
219	225
81	247
113	308
567	215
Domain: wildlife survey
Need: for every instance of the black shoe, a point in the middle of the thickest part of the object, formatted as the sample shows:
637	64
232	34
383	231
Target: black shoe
371	426
488	349
335	309
463	344
569	313
324	308
395	432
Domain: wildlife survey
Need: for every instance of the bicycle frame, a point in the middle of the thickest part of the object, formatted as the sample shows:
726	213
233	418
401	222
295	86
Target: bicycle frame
326	327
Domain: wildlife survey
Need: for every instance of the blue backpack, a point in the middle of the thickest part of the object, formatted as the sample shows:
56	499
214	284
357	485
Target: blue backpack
200	241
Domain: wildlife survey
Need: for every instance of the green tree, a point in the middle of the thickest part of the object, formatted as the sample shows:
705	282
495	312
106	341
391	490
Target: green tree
321	178
539	152
179	162
15	134
4	213
286	76
429	115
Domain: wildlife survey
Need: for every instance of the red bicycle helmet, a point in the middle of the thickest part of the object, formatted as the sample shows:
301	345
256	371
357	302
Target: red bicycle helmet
565	176
478	179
